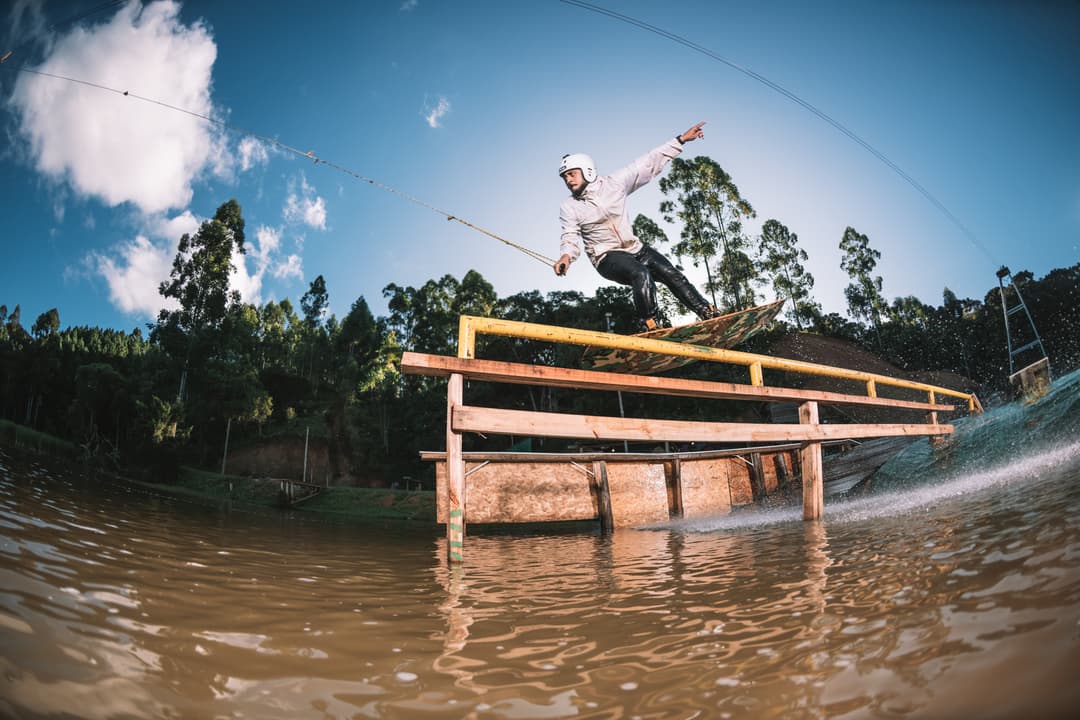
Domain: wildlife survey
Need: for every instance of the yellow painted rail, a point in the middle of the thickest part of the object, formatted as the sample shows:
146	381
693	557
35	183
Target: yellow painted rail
470	326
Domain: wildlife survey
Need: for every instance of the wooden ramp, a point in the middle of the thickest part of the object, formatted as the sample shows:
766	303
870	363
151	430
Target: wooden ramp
627	491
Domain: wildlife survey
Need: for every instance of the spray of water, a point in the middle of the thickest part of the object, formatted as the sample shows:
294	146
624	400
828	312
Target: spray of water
1016	445
1025	471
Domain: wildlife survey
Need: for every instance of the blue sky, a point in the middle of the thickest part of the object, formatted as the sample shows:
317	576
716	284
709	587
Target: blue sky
468	106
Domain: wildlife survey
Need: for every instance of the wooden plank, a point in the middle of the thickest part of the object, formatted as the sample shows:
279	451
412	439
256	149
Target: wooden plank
467	418
588	457
522	374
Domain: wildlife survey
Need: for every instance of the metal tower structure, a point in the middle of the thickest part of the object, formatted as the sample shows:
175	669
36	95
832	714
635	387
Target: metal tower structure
1034	342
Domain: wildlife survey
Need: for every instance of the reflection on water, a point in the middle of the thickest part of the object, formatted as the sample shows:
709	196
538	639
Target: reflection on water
964	603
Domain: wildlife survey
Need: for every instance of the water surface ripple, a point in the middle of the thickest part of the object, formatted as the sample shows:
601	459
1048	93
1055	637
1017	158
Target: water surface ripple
962	602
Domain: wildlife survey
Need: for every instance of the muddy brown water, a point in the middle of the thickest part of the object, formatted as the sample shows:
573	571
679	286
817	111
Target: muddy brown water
958	600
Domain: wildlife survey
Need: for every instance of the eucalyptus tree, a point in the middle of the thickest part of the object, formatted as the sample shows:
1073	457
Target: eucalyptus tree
425	319
314	303
199	283
47	323
781	259
711	210
474	296
864	298
367	361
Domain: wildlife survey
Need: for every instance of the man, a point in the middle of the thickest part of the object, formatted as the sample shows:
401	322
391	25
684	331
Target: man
595	215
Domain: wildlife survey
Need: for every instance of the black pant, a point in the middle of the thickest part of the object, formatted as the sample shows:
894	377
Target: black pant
638	270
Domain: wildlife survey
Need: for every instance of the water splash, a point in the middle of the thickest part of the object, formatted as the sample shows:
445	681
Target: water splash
1016	445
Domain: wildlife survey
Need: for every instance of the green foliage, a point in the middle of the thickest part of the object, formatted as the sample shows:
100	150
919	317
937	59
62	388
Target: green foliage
47	323
863	294
199	280
711	210
781	260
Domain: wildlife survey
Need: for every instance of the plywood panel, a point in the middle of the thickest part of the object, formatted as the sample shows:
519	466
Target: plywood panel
705	488
769	475
742	492
517	492
638	493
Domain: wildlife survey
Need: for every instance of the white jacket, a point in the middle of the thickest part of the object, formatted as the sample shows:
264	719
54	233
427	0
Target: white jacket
598	217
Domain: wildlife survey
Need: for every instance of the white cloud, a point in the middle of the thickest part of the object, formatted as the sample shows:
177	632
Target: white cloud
263	254
135	270
269	242
121	149
248	284
172	229
306	207
409	5
252	152
435	114
291	267
134	278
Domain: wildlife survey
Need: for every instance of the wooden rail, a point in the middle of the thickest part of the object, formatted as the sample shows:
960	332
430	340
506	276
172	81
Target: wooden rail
465	418
470	326
613	490
521	374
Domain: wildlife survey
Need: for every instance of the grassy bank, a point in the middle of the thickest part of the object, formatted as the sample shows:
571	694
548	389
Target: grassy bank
22	437
359	503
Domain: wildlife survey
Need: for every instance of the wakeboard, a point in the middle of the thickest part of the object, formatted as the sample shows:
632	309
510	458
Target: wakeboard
724	331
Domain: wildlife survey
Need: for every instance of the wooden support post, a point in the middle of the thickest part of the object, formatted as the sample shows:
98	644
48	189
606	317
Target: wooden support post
757	478
676	487
756	378
603	497
812	472
932	418
455	474
783	475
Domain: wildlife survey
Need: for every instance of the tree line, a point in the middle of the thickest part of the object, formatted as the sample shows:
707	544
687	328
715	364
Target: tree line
156	400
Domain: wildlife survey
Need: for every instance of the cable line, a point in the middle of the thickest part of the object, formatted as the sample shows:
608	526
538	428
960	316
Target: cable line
794	98
309	154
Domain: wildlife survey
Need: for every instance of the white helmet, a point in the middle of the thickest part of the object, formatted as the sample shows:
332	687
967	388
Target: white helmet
582	162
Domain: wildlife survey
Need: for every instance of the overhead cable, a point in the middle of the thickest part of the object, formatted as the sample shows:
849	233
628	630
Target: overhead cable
309	154
794	98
